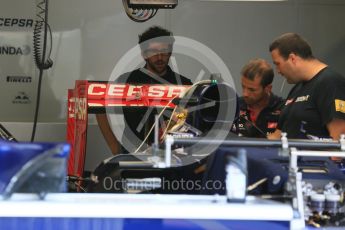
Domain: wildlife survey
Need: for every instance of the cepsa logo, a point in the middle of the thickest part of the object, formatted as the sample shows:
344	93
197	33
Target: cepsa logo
16	22
134	95
124	91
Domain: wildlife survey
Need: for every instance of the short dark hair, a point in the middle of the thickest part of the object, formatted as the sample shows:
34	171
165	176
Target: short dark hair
155	32
292	43
258	68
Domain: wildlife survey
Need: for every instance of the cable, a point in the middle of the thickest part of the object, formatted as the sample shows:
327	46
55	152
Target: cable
168	124
256	184
41	30
6	135
76	181
183	95
165	107
148	134
40	54
37	106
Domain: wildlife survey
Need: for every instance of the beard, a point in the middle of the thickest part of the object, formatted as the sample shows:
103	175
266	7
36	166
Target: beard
158	67
249	101
253	101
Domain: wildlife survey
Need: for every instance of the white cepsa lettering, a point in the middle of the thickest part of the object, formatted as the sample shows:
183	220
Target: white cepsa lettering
133	91
99	89
123	91
165	91
96	89
156	91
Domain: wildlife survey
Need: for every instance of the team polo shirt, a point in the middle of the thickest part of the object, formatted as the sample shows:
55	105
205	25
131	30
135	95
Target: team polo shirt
266	121
311	105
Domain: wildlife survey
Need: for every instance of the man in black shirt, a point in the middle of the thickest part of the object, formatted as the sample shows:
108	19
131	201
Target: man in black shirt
315	107
156	46
259	107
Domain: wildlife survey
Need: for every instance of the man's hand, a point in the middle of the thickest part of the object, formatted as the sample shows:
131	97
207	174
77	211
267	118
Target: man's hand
335	128
275	135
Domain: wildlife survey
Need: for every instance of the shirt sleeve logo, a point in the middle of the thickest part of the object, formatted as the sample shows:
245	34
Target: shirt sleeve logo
302	98
339	105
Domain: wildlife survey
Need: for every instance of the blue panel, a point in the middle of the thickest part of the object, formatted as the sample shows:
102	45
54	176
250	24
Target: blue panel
134	224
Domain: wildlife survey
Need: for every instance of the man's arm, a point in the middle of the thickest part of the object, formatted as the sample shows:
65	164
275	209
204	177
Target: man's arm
107	132
335	128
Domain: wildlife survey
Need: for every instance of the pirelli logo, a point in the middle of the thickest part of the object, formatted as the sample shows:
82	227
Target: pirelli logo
19	79
339	105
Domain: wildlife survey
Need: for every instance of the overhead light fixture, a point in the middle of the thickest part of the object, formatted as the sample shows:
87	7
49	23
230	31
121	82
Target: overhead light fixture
157	4
243	0
143	10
